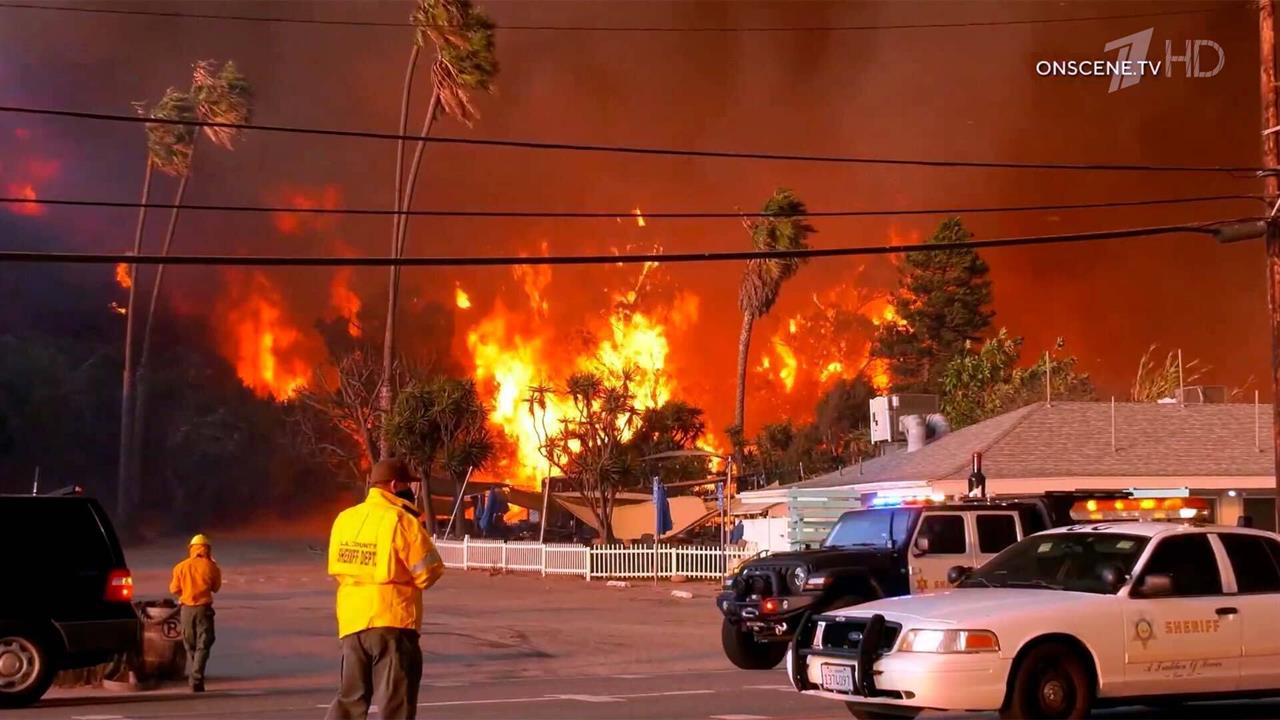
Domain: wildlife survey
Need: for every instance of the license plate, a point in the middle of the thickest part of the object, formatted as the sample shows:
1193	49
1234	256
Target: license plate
837	678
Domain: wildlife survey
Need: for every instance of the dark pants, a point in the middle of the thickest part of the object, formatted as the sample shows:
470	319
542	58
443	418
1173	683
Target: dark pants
198	637
382	665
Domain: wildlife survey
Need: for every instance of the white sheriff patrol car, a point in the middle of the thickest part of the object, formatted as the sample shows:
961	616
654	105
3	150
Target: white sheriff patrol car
1109	613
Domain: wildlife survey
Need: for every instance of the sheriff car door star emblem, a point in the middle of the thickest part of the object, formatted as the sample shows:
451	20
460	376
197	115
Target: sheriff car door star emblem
1143	632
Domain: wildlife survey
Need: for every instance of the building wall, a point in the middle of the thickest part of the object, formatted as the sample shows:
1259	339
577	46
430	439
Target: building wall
767	533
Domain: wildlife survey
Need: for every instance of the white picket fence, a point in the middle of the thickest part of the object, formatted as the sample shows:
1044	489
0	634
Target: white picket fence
592	562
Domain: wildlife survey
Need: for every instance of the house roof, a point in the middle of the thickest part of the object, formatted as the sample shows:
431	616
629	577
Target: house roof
1073	439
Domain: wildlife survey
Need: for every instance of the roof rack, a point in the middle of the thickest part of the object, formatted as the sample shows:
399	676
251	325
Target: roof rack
64	492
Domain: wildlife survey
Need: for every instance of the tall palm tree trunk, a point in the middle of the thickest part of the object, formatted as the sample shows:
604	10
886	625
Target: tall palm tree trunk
385	391
740	402
140	413
124	481
406	200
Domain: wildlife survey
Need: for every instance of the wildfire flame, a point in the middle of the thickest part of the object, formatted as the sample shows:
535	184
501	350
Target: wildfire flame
25	177
509	361
829	342
118	309
461	298
534	279
270	354
345	301
25	191
878	369
639	217
327	198
123	277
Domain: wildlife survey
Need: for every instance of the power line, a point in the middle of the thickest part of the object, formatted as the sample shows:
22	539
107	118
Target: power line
605	28
25	256
632	150
621	215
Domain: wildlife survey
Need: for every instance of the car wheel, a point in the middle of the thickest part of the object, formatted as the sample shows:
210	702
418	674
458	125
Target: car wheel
1051	682
743	650
871	712
26	668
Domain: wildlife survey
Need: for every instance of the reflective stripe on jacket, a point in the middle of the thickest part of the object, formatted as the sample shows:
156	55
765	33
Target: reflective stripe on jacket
383	559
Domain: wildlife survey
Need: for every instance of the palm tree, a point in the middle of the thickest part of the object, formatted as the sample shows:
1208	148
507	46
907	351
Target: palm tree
168	150
781	227
466	60
217	95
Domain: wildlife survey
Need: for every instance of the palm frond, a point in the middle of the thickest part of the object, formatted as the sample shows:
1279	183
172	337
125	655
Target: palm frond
221	95
782	226
170	146
466	55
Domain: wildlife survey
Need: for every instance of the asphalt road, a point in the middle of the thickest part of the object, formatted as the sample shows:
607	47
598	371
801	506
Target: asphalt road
510	646
715	695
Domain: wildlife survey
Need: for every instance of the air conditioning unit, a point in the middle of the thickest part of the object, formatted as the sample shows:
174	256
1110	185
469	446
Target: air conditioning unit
888	410
1200	394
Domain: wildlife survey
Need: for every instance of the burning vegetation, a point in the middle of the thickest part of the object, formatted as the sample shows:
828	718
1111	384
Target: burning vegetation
271	354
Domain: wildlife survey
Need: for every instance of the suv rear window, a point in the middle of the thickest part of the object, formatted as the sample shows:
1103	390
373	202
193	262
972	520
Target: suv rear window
27	524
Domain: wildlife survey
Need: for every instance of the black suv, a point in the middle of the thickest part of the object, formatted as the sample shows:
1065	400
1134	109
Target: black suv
871	553
67	600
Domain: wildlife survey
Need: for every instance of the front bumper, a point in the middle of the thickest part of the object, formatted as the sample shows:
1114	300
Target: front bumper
750	613
961	681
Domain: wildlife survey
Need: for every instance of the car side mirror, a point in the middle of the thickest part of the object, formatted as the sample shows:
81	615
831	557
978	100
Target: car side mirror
922	545
1158	585
1113	576
956	573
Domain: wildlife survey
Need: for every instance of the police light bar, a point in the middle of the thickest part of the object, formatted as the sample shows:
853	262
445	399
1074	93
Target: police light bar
907	500
1175	508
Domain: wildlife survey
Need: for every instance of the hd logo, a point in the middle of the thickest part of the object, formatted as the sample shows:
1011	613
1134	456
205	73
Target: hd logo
1132	51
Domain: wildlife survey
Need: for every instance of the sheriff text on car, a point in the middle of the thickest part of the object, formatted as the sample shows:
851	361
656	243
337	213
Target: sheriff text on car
1109	613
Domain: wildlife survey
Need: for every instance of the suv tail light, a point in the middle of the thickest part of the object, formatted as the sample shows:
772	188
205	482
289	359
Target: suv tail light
120	586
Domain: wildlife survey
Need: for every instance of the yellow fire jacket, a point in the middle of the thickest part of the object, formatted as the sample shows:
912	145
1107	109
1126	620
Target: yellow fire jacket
383	559
197	578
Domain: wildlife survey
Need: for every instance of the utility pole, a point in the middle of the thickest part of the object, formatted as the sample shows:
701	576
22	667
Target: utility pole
1271	159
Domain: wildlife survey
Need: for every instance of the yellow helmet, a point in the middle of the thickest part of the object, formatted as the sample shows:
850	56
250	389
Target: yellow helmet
199	539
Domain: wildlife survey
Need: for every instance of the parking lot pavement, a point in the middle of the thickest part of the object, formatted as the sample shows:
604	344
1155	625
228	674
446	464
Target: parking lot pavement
510	646
716	695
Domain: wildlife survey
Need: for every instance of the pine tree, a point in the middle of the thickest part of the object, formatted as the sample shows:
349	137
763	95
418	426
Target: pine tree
941	303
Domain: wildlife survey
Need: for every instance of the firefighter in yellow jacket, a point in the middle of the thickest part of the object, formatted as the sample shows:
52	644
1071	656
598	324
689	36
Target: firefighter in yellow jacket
383	559
194	581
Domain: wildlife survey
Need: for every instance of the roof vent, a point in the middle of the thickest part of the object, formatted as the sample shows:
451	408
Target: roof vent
887	413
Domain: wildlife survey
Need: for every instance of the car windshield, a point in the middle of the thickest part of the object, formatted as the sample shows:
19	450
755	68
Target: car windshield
1072	561
879	527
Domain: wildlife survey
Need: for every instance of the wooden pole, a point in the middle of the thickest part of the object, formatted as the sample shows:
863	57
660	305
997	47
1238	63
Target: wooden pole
1048	381
1271	159
1181	387
1113	423
546	495
457	503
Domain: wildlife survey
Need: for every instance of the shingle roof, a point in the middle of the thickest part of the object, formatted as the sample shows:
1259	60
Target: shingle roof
1073	439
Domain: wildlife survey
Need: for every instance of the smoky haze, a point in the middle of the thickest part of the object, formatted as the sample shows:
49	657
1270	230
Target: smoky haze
960	93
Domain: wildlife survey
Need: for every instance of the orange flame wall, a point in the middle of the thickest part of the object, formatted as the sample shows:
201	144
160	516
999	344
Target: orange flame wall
536	328
271	354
